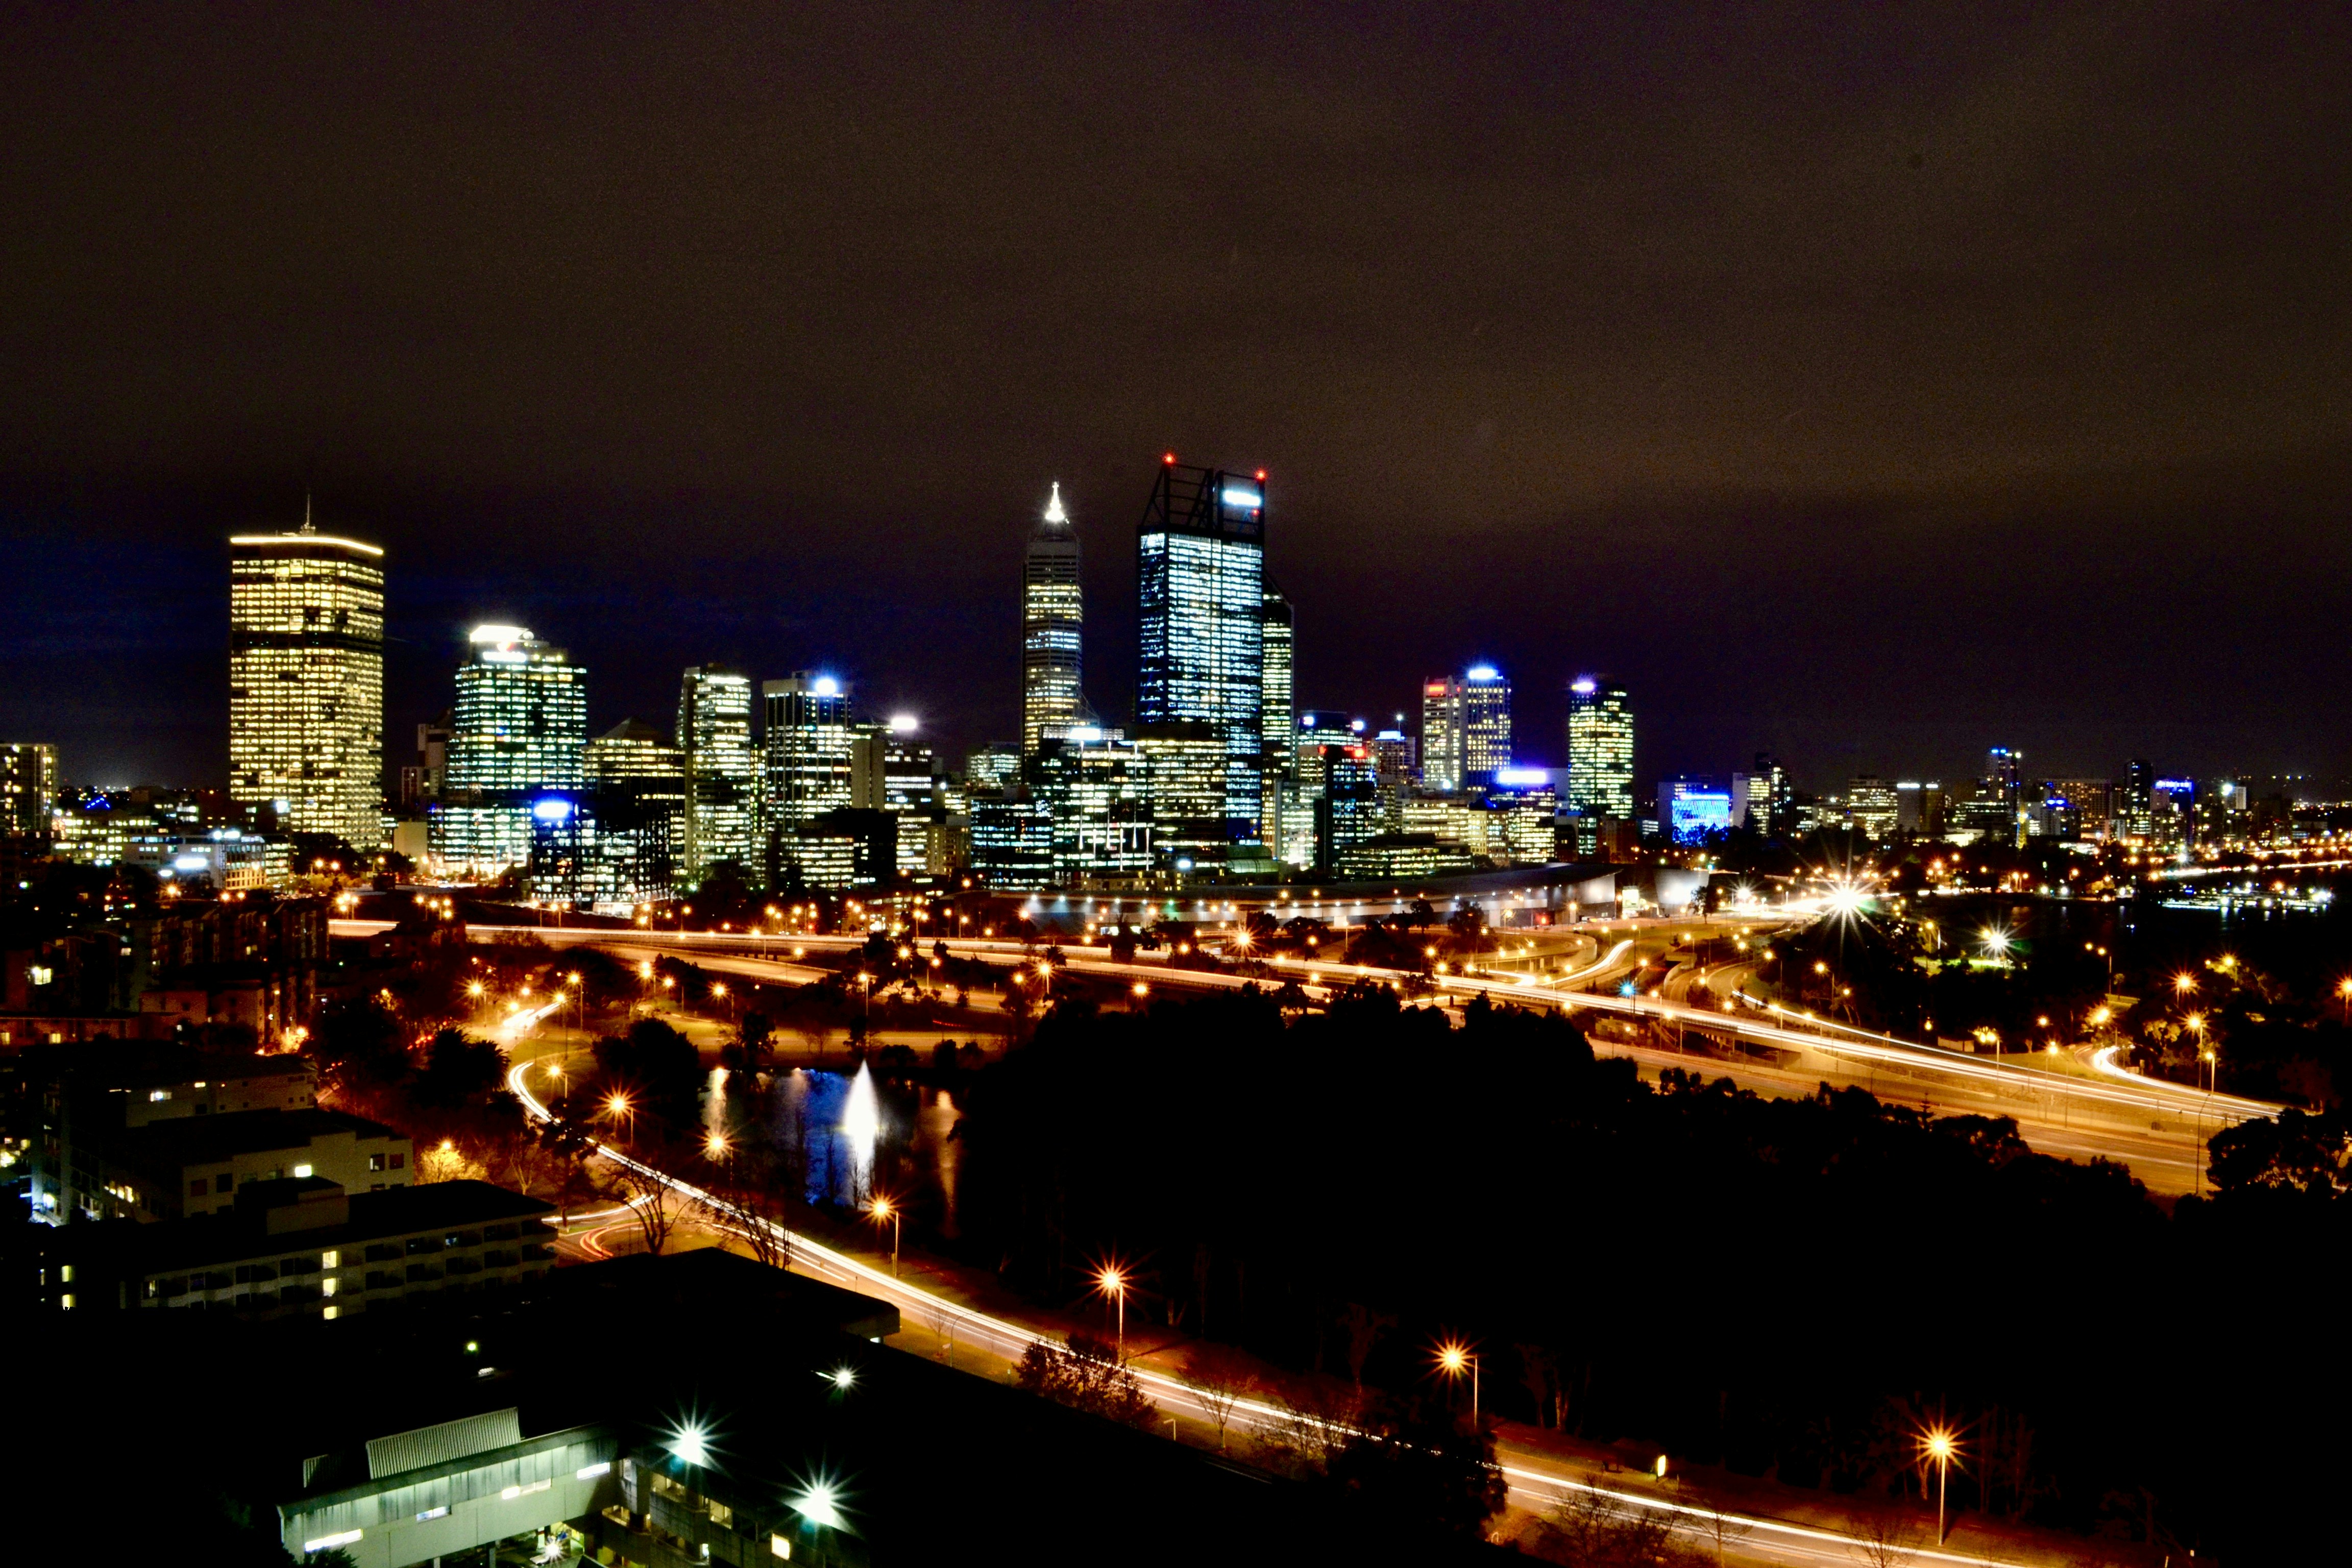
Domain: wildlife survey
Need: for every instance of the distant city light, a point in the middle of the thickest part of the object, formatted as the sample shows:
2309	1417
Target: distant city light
1484	672
904	723
1584	686
554	808
1250	499
1522	778
825	686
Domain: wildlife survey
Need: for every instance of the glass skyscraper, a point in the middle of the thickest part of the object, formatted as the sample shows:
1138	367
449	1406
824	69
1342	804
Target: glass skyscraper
1600	749
520	726
805	765
1052	621
1200	624
723	779
306	681
1486	725
1441	734
1276	700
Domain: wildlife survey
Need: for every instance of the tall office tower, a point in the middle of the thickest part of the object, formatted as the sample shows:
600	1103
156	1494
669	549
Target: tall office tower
305	681
1186	769
1052	692
1347	813
519	728
1276	700
1100	803
1873	807
2004	785
1201	628
1486	725
1441	734
1600	749
722	778
1771	799
1392	763
637	780
891	771
805	762
2136	802
28	788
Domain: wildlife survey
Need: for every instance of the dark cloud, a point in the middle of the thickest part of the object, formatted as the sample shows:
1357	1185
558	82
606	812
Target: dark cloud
1873	383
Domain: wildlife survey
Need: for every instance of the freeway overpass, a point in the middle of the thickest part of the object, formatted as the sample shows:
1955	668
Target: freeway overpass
2157	1129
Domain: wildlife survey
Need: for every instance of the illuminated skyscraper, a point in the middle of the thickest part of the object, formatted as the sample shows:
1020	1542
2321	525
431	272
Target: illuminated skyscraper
1600	749
1441	734
305	681
28	788
806	760
1276	700
1201	628
520	726
1053	617
722	780
1486	725
637	780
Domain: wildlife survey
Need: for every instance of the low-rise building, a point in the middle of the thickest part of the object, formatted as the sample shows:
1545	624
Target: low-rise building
293	1246
174	1169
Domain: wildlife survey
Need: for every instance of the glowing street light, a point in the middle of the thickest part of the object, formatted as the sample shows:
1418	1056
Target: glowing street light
2183	984
715	1146
821	1504
1452	1357
882	1208
2343	995
1941	1446
1111	1282
691	1444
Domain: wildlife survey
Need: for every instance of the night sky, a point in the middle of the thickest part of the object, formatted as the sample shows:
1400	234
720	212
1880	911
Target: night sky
1869	383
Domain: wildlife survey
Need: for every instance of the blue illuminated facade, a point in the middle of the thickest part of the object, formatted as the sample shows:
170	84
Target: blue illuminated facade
1200	573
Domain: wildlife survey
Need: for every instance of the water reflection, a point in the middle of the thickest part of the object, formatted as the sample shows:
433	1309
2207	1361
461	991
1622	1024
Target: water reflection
861	1123
844	1137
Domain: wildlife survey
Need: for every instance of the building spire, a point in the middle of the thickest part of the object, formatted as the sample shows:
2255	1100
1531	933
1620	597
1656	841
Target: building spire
1054	512
306	513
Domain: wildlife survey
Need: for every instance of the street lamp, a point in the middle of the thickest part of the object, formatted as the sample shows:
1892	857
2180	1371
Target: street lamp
1112	1282
882	1208
2343	995
1452	1357
1940	1447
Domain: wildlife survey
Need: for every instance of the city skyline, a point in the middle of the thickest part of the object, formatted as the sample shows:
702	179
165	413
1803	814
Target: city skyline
1497	427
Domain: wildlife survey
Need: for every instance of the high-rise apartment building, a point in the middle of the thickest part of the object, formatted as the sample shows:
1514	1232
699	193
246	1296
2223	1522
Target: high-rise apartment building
306	681
1053	617
1441	734
1600	749
805	763
1486	725
519	730
723	776
28	788
1200	627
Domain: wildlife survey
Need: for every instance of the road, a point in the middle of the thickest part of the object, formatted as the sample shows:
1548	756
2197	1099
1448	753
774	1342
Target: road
2157	1130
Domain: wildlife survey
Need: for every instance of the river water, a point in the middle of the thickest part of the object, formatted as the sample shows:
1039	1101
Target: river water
847	1137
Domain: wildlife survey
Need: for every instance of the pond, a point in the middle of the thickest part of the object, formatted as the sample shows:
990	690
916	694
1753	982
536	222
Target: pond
845	1137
